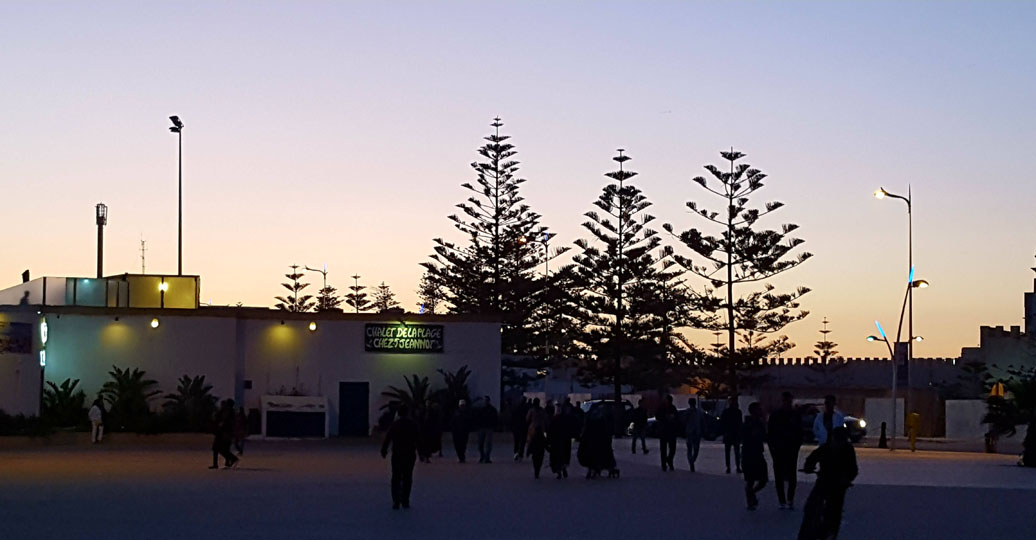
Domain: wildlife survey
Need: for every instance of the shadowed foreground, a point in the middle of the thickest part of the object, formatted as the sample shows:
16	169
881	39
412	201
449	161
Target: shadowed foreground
340	490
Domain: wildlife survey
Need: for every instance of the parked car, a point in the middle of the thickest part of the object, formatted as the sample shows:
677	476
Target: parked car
857	426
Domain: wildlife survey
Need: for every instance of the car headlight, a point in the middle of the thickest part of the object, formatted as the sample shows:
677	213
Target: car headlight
863	423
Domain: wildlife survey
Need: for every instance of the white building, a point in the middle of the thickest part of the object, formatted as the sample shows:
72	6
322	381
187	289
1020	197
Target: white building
340	360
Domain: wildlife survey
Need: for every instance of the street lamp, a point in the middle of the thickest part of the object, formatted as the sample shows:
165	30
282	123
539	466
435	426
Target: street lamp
323	273
545	242
178	130
892	356
881	193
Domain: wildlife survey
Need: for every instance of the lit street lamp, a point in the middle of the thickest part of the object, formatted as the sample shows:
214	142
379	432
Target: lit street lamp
908	300
178	130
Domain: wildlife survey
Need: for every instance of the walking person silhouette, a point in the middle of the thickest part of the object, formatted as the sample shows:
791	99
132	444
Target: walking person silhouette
402	437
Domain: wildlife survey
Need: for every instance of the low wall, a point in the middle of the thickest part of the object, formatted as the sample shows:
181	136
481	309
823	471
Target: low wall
878	410
964	418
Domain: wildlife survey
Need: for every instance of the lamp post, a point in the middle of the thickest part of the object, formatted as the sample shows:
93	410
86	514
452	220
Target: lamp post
881	193
545	242
323	273
178	130
892	356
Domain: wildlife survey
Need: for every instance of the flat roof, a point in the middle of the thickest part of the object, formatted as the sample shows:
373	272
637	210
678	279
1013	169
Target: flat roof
245	312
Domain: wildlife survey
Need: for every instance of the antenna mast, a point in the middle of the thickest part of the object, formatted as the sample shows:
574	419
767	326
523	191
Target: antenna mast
143	251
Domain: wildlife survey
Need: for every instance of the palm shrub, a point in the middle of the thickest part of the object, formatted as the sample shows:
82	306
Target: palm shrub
192	406
64	404
414	396
456	389
128	395
1017	406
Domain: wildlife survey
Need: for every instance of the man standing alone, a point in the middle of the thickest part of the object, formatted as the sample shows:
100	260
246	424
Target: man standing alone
96	416
402	437
640	419
667	431
828	420
730	423
693	429
459	429
784	434
488	418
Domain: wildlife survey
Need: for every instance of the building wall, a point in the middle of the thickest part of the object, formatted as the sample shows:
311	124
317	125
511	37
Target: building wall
85	347
288	356
20	372
85	343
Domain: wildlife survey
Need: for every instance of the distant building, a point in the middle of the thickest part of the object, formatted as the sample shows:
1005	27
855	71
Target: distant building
999	348
52	329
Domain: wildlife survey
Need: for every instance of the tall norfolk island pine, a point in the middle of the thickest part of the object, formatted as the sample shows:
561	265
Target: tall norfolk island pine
494	272
295	301
621	281
742	254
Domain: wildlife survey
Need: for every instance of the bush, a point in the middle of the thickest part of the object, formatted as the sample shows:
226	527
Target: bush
63	405
190	408
20	424
128	394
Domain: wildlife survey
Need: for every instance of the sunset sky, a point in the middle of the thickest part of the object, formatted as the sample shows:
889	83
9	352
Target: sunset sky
339	133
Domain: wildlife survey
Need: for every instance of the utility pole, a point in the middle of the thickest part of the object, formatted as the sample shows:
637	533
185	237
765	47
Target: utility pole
178	130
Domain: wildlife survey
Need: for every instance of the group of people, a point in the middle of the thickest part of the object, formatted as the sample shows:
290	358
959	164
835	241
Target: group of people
229	429
481	419
782	434
540	430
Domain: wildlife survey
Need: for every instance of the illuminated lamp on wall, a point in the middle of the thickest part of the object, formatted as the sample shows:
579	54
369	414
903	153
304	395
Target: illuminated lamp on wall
43	358
44	333
154	322
313	326
163	286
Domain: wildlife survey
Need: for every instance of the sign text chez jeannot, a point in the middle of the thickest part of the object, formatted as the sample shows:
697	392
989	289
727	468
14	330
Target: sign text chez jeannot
403	338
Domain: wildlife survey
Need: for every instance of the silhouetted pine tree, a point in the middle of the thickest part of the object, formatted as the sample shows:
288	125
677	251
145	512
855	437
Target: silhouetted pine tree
670	305
494	271
357	299
430	295
295	301
742	254
384	298
827	365
616	273
328	299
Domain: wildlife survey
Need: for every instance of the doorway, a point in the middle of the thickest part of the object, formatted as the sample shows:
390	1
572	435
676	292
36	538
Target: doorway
353	409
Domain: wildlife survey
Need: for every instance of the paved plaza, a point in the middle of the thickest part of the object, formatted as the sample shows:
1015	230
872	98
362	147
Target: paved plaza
337	489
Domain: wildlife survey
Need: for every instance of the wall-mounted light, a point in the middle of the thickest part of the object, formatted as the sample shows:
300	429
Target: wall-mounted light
163	286
43	358
154	322
313	326
44	333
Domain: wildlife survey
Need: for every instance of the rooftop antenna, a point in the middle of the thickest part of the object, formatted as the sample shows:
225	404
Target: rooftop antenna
143	250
